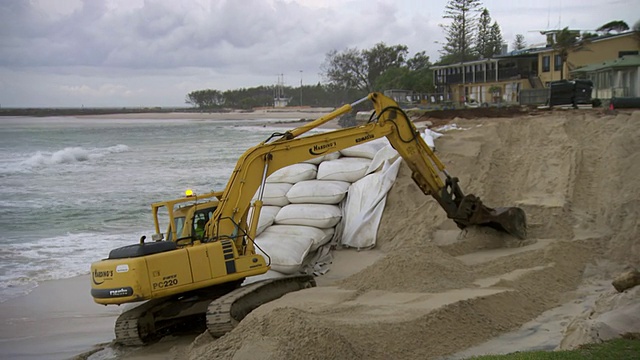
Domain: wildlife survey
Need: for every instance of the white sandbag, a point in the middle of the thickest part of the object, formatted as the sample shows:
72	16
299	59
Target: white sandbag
387	153
270	274
328	235
319	237
318	192
364	205
429	137
293	173
318	215
275	194
349	169
267	217
367	150
327	157
285	252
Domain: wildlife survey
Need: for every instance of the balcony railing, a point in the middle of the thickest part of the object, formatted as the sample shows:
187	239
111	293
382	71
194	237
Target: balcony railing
479	77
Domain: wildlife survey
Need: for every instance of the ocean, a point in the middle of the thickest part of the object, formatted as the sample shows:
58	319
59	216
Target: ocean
72	189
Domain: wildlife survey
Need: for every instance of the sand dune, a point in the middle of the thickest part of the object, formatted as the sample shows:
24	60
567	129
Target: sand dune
429	290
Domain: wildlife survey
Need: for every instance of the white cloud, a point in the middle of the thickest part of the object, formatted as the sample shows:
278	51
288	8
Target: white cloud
133	52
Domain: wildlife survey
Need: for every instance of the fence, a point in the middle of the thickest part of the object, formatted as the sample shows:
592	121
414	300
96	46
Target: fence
534	96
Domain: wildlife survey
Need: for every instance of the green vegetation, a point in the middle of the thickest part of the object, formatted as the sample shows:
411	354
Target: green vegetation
618	349
262	96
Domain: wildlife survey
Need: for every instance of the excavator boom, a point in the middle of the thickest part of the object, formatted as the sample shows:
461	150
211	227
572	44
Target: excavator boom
391	122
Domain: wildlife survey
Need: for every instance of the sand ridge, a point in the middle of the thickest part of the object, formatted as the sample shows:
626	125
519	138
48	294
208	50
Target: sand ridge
574	175
431	290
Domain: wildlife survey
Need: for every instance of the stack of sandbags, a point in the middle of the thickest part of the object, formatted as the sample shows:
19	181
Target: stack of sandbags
308	201
367	195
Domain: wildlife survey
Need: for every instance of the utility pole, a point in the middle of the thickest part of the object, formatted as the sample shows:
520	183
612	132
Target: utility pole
300	87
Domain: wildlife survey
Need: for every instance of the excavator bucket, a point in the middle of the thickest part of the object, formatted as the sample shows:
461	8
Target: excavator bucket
511	220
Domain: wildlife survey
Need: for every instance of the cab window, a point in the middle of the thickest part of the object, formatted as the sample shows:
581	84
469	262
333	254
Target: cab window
200	218
178	226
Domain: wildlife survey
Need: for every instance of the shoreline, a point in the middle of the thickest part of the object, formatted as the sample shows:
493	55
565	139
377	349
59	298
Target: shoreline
284	113
59	319
56	320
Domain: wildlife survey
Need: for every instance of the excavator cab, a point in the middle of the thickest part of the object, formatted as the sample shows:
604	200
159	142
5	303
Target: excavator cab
186	216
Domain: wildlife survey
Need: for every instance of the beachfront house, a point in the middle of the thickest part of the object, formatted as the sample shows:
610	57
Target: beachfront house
523	76
613	78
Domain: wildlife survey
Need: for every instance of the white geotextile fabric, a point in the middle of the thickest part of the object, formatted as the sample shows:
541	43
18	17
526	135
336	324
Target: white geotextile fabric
364	206
318	192
267	217
299	236
275	194
317	235
429	137
286	252
317	215
327	157
343	169
294	173
367	150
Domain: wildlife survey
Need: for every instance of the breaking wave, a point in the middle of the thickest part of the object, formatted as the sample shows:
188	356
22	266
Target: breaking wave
71	155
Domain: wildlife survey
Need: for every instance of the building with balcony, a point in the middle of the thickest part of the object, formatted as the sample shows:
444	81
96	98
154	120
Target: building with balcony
498	79
501	79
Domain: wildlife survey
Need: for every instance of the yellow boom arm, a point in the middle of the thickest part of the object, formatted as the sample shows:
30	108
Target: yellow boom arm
257	163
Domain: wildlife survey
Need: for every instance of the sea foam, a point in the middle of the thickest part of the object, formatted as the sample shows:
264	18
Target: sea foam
71	155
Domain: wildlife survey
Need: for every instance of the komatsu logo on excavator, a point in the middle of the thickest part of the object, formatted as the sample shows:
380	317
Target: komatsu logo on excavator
364	138
101	274
321	149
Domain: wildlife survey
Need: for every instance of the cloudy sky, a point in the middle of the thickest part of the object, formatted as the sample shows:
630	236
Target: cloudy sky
153	52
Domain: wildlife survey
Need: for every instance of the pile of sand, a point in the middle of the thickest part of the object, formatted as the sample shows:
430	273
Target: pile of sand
438	290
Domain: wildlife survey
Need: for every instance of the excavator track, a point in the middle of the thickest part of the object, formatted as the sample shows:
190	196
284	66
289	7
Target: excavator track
135	327
222	306
156	318
226	312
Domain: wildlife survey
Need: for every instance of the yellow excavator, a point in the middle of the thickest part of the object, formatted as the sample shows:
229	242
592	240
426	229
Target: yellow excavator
193	280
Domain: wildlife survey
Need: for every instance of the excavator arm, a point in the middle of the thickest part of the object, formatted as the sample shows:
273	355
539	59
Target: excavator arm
280	150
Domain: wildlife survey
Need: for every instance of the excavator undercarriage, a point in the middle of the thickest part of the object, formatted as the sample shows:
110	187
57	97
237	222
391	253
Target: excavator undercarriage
218	309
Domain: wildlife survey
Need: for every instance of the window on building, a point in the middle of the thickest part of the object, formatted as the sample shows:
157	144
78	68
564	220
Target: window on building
630	52
557	63
546	63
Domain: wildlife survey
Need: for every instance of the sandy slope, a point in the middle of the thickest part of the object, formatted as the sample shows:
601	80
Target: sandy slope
429	290
438	291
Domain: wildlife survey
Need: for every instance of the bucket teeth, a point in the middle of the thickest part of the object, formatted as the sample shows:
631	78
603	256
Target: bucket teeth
511	220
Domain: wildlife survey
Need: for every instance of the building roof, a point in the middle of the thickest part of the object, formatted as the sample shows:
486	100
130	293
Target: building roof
622	62
587	41
531	51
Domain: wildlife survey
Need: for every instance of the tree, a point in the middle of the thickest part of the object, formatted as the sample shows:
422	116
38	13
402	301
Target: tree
482	37
416	75
355	69
495	39
346	69
587	35
382	57
205	98
564	41
419	61
519	43
459	33
616	25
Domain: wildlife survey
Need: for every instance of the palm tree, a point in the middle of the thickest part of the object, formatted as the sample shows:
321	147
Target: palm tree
565	40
